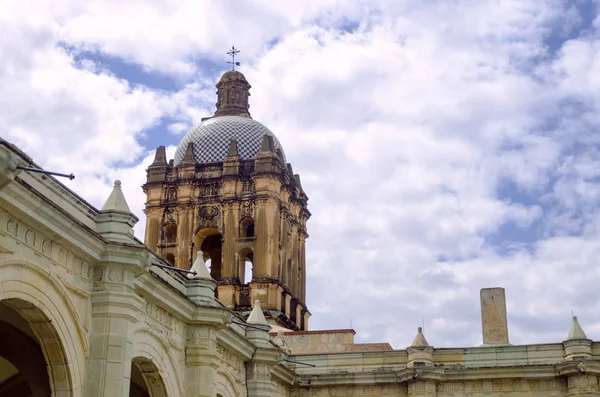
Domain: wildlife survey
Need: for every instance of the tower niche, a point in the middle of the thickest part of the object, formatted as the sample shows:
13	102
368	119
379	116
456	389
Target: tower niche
230	197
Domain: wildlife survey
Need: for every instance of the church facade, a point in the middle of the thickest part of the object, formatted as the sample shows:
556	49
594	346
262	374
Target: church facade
213	302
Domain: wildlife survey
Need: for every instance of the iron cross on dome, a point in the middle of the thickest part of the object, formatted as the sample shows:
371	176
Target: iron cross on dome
232	53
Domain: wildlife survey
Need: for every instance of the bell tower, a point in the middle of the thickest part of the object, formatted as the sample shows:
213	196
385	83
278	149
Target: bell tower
230	198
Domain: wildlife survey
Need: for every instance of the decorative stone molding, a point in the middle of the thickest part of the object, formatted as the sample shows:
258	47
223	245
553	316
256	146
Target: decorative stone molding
76	272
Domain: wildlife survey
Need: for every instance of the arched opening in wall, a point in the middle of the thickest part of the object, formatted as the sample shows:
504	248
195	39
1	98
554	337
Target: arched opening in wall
247	227
170	233
246	266
210	242
32	358
170	259
145	380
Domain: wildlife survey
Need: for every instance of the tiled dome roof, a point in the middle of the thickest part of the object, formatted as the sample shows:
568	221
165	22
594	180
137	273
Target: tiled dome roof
212	137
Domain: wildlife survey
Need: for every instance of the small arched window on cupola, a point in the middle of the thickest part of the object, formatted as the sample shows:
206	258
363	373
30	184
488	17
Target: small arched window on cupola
247	227
170	233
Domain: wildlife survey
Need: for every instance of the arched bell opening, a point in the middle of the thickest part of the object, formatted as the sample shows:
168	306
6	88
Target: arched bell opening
170	233
210	242
246	266
32	359
247	227
145	380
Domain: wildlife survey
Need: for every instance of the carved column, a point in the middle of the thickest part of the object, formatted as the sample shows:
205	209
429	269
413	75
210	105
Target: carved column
262	242
295	257
273	233
302	287
152	230
184	238
115	308
230	236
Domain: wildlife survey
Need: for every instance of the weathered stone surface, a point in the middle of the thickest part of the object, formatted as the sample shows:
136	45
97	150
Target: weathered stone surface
493	316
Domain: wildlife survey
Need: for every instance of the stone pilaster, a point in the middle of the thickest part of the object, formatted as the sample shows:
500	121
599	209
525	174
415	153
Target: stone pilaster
184	237
201	361
201	356
115	308
230	264
262	242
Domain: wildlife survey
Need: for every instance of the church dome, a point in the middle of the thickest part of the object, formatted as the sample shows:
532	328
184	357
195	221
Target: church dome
212	138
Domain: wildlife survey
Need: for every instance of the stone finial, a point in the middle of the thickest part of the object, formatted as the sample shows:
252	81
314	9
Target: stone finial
160	159
201	286
576	332
200	268
577	345
115	221
493	316
257	317
420	353
233	148
420	340
116	201
188	157
267	144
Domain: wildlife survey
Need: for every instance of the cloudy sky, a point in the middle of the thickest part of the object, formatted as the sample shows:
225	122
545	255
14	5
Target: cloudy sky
445	146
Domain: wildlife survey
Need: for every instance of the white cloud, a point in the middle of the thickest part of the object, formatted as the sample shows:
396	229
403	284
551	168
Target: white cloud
420	130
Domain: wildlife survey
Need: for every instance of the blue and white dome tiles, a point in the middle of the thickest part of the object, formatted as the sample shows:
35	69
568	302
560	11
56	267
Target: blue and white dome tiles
212	137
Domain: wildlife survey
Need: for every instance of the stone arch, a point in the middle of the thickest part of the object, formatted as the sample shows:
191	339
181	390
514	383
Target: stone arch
152	349
226	385
208	240
53	353
23	353
245	265
154	383
170	232
246	227
45	305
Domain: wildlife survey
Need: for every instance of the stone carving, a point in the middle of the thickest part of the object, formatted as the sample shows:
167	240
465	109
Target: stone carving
246	208
248	187
12	227
209	189
208	216
209	172
230	359
451	387
164	318
172	194
258	372
516	385
46	247
348	391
